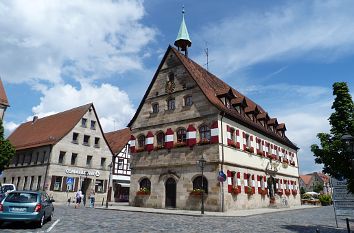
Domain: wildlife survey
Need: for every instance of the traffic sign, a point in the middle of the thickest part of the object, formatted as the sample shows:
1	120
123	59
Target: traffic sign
69	180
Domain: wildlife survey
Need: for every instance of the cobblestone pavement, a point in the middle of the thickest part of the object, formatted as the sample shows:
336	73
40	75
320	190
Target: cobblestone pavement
68	219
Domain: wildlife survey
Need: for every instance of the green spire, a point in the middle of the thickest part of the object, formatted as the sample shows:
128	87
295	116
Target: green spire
183	41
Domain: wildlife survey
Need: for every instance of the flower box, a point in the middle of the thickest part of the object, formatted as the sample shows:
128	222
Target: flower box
279	192
292	163
249	190
285	160
287	192
271	156
235	190
260	153
197	192
139	150
232	144
180	144
249	149
143	192
263	192
294	192
203	141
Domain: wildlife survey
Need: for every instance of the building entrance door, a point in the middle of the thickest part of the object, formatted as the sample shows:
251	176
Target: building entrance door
271	187
170	187
85	186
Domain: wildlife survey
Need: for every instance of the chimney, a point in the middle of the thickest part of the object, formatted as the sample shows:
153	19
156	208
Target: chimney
35	118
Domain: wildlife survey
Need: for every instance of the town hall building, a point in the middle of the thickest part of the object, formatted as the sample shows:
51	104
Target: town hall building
187	114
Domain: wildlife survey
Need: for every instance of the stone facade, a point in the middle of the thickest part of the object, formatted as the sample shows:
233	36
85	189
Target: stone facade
180	163
45	162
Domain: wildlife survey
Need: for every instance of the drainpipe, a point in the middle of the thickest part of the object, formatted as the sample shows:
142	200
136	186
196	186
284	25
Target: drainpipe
46	171
222	161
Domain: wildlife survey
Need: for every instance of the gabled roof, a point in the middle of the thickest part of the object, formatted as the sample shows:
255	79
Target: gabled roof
47	130
118	139
3	97
211	85
306	179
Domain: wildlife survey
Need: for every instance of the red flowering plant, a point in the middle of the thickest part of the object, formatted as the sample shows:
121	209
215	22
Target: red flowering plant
285	160
271	156
294	192
235	190
292	163
159	147
232	144
143	191
249	149
180	144
204	141
279	191
249	190
263	192
197	192
287	192
141	149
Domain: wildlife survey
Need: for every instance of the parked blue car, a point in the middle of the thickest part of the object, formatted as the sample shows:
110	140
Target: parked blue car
27	206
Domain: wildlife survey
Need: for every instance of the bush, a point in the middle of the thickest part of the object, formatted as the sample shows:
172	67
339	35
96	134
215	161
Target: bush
306	196
325	199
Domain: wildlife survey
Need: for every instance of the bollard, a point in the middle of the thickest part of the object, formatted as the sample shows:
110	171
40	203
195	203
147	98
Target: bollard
102	201
317	230
348	227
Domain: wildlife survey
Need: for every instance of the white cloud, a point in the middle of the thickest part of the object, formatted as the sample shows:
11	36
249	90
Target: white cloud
9	127
46	40
321	30
112	104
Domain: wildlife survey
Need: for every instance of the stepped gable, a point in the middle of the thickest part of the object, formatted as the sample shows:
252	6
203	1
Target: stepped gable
47	130
212	86
3	98
118	139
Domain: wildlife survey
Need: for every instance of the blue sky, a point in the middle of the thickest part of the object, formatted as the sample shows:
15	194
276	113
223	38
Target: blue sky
284	55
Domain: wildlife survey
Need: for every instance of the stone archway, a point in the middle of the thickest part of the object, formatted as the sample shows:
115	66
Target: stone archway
170	193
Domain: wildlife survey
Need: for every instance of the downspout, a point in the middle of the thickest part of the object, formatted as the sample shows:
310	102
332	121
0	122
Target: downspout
46	171
222	161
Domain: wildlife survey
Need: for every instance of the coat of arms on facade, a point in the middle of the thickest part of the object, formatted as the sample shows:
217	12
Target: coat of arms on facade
170	86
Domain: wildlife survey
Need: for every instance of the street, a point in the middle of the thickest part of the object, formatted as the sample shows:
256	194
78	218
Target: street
68	219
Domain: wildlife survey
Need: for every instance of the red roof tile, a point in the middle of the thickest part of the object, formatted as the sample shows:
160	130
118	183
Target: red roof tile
3	97
47	130
211	86
118	139
306	178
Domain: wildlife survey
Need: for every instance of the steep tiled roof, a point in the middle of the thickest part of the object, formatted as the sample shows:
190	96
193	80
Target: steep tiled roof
324	177
306	178
47	130
118	139
212	86
3	97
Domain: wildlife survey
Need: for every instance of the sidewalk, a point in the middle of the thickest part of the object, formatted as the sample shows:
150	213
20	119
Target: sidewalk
231	213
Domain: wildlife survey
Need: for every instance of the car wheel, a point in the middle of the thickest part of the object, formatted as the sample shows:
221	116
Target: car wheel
40	223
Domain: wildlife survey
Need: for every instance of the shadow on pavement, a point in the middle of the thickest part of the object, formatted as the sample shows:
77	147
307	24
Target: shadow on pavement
312	229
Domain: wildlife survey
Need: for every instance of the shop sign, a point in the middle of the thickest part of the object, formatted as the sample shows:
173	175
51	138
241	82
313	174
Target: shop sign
82	172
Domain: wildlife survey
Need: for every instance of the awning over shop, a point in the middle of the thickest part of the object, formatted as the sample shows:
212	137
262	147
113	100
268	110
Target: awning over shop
124	185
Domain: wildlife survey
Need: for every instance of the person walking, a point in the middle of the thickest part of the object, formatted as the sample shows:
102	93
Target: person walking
92	198
78	197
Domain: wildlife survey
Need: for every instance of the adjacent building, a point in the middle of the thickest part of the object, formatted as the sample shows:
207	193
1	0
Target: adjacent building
119	143
61	154
4	103
187	114
313	181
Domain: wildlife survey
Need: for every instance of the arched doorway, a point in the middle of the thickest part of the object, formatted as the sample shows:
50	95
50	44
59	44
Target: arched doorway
170	190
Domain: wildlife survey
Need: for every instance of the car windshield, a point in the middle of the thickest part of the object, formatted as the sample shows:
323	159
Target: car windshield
21	197
6	188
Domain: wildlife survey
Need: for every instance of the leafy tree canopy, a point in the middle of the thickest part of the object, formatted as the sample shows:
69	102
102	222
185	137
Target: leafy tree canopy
332	152
7	151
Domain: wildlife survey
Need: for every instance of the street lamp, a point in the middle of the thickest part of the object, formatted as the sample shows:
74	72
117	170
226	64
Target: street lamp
109	183
349	142
201	163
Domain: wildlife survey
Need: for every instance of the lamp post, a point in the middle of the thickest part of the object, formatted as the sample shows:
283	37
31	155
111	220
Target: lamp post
109	183
349	142
201	163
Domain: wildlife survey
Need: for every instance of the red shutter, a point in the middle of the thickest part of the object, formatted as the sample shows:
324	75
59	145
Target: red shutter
238	139
259	184
214	132
169	138
132	144
239	181
191	136
229	181
149	141
252	148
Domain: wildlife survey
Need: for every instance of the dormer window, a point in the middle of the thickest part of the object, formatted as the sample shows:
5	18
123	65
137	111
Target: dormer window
155	108
238	109
228	103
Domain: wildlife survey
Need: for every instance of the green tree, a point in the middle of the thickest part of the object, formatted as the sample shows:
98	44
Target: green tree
318	188
302	190
7	151
332	152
